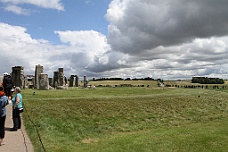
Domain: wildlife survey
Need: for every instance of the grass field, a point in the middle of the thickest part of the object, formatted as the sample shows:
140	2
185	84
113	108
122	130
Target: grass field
128	119
124	82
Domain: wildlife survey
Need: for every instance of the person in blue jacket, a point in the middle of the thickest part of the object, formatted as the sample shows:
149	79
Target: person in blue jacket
17	109
3	103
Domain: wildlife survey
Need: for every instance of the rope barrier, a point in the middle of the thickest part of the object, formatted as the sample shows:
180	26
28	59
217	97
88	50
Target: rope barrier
40	140
24	141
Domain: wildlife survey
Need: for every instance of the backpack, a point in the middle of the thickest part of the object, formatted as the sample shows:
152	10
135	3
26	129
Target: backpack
2	105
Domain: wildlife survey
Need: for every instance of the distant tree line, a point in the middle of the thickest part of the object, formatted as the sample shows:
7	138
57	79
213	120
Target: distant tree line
147	78
103	79
206	80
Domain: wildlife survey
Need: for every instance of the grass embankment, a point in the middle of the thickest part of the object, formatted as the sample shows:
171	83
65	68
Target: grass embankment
128	119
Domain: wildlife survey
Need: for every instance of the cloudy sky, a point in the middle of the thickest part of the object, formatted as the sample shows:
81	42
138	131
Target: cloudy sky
167	39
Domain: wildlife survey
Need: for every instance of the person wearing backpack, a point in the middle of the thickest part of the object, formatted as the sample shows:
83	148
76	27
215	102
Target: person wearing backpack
7	85
3	103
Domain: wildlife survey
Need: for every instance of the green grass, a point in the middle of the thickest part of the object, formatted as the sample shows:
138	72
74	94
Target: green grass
135	83
194	137
128	119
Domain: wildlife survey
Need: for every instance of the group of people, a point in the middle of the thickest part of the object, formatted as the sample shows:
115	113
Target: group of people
7	89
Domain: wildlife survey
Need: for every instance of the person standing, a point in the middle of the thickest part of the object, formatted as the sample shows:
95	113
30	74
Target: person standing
7	85
3	103
17	107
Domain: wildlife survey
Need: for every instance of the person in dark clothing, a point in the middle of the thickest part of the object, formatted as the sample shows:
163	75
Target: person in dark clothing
3	103
7	85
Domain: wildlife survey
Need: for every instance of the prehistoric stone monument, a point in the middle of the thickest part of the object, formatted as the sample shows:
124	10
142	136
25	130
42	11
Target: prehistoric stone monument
73	80
85	81
18	76
41	79
76	81
38	70
43	82
55	79
59	79
71	84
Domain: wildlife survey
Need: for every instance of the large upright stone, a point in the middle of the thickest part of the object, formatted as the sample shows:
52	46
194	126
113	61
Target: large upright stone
39	69
85	81
61	77
56	79
25	84
71	84
18	76
43	82
76	81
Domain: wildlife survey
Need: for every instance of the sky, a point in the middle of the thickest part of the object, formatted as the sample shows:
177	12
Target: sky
165	39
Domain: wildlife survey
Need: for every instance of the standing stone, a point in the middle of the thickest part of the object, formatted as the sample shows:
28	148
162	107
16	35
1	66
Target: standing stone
65	81
33	82
39	69
85	81
18	76
25	85
76	81
61	77
56	79
44	82
71	81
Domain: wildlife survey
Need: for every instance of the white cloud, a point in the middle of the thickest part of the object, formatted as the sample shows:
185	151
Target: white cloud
116	10
87	53
170	38
17	10
151	38
52	4
104	60
85	49
19	49
91	42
